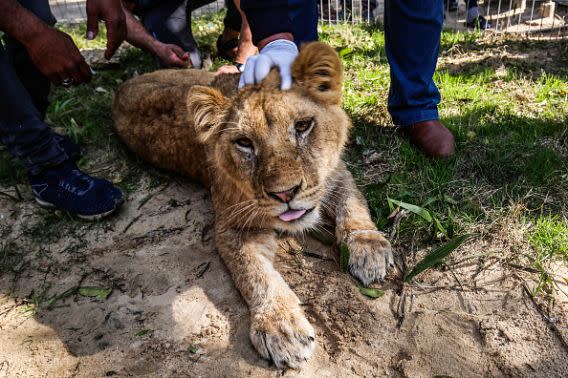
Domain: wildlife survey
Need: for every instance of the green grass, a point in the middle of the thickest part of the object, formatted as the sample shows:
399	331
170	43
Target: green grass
510	119
549	238
505	100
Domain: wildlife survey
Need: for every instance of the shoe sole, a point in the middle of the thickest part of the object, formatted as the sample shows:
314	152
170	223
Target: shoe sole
94	217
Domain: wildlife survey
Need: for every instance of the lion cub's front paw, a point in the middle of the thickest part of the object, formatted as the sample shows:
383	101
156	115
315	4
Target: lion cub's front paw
370	255
283	336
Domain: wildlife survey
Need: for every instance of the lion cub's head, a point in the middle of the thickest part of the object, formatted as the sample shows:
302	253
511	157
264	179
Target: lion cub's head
274	152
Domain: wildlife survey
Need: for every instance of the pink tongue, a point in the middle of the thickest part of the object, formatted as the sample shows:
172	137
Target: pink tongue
291	215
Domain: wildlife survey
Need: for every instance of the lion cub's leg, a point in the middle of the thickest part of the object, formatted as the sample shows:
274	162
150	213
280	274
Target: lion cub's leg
370	254
279	330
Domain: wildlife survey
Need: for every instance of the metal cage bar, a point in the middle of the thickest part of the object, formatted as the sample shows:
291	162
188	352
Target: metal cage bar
531	17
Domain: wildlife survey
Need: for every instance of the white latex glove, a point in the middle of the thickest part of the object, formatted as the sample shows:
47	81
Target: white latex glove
278	53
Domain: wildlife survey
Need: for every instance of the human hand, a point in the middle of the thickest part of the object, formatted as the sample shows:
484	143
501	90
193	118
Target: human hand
109	11
227	69
56	57
278	53
244	51
246	47
172	55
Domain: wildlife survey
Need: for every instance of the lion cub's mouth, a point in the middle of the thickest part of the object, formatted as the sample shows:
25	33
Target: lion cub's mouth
292	215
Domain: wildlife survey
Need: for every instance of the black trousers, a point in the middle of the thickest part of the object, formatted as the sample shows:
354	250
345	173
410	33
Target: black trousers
169	21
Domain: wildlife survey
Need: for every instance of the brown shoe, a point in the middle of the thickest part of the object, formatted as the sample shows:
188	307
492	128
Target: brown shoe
432	138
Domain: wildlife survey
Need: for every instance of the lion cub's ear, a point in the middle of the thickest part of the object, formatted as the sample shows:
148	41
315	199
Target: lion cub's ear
318	69
205	109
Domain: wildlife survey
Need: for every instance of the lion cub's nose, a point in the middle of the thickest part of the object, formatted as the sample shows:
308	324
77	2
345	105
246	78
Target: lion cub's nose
285	196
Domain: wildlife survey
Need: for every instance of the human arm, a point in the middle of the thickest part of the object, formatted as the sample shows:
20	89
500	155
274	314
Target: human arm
52	51
246	46
171	55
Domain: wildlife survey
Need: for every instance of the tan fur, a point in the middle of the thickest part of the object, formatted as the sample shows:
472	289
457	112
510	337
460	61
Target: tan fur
194	123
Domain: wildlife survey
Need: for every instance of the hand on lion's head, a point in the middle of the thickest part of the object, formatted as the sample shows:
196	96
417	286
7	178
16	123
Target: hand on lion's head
278	147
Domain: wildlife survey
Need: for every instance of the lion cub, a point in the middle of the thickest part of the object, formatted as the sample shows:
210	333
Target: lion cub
272	160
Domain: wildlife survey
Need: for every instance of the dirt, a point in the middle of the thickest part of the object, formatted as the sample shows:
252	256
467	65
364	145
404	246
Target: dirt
174	311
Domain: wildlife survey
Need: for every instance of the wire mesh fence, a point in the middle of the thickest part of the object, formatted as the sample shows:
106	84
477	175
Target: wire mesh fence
73	11
533	17
543	18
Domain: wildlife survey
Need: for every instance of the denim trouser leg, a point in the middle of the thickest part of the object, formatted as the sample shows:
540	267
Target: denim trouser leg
24	101
35	83
302	13
167	21
304	17
412	35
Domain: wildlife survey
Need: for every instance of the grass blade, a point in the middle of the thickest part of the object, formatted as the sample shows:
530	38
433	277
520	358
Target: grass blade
201	269
67	293
345	51
439	226
143	332
420	211
344	257
371	292
321	237
95	292
436	256
449	199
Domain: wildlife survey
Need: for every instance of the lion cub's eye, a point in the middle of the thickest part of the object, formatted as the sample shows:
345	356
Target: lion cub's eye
303	126
244	144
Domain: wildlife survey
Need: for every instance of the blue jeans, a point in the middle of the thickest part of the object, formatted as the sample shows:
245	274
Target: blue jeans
412	36
166	20
24	101
304	17
169	21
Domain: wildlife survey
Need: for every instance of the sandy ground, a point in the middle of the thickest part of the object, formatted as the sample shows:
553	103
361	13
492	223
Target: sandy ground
169	316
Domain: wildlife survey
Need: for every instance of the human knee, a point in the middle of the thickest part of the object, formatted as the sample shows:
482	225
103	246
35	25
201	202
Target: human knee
176	25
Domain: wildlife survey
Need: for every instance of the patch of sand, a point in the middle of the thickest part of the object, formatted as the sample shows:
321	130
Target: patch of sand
162	319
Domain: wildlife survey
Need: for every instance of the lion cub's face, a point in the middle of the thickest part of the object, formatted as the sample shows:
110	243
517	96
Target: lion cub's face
279	148
282	147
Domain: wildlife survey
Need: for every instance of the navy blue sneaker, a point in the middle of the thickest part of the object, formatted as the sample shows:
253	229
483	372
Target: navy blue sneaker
66	187
71	148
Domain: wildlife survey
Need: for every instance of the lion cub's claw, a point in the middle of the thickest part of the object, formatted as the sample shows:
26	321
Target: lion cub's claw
288	341
370	256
